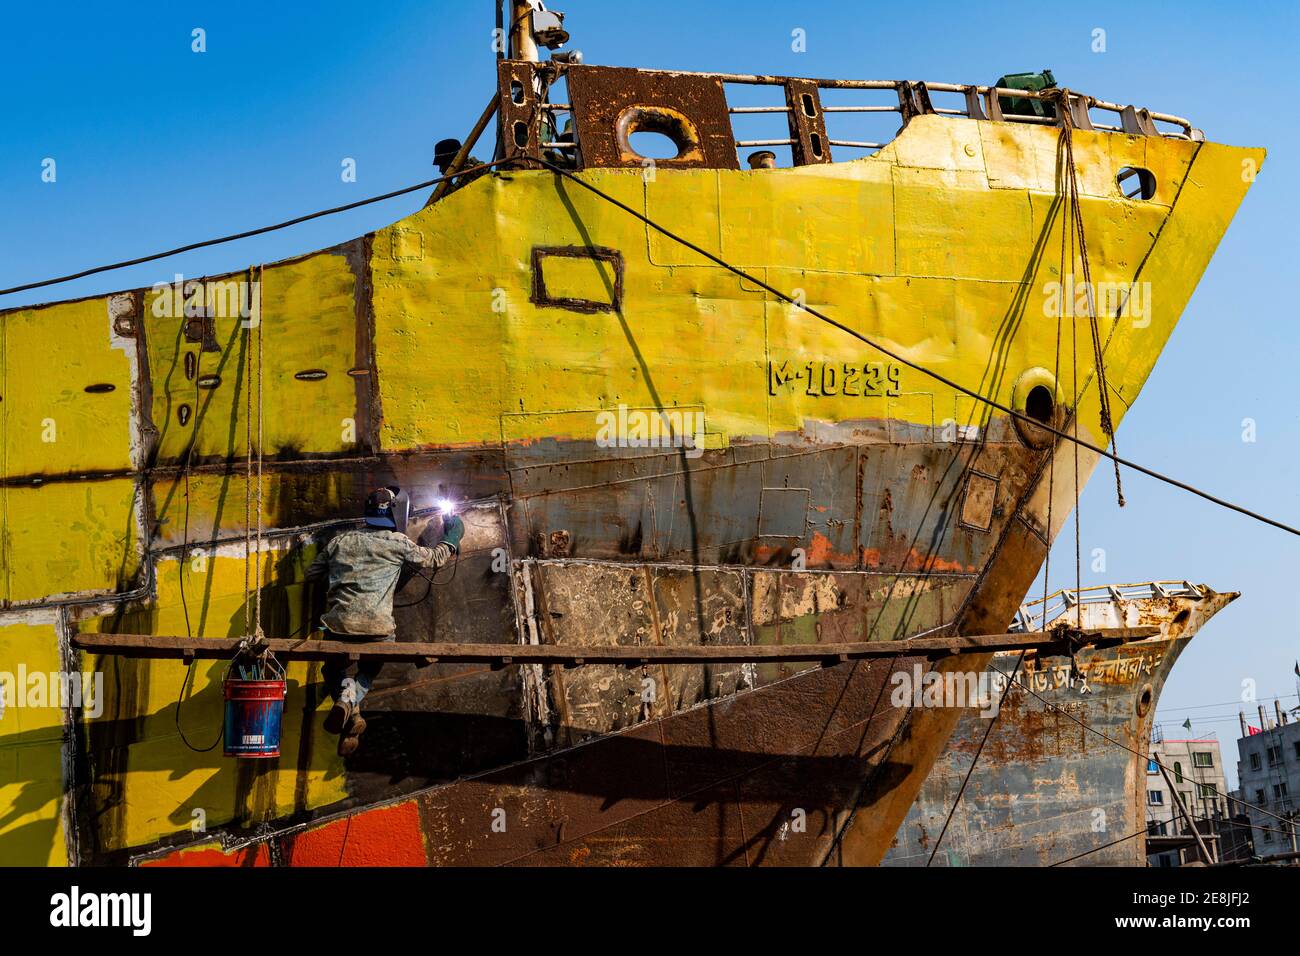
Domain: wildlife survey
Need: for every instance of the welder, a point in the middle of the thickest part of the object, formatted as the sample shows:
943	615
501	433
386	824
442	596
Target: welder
363	566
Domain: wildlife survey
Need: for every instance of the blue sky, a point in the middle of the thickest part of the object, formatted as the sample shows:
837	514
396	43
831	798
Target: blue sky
157	145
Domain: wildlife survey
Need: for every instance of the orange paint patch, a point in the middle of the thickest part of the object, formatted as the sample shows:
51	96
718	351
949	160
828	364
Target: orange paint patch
916	562
820	549
388	836
255	855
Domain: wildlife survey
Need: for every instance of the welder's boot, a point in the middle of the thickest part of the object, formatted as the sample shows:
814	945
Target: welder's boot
345	706
339	716
350	739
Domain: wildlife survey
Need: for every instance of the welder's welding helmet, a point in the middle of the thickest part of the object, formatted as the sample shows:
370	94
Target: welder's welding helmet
381	508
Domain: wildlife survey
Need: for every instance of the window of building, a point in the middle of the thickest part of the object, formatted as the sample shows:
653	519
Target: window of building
1187	799
1153	768
1297	749
1256	764
1260	799
1206	791
1202	759
1274	755
1279	791
1178	772
1156	798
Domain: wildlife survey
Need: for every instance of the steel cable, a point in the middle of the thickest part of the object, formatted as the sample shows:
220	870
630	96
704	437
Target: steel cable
937	376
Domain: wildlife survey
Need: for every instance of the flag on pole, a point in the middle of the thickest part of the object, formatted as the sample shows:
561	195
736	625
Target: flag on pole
1187	724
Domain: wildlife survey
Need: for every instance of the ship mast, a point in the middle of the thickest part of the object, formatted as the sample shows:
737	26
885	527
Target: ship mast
523	46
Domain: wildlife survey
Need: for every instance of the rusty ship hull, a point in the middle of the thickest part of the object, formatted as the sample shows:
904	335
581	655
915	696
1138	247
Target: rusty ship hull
826	494
1062	776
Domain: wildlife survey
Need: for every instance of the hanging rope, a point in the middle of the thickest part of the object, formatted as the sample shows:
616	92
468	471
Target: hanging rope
248	466
254	642
1062	99
1056	378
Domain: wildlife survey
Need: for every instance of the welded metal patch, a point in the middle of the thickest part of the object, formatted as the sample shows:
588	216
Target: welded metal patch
979	500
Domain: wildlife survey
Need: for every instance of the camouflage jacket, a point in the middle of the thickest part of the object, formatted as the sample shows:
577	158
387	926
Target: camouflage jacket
363	567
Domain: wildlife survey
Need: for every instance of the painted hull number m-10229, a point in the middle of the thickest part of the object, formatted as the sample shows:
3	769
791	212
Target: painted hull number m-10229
823	379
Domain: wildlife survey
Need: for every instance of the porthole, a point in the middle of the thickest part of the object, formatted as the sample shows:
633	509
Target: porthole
673	136
650	144
1136	183
1035	395
1145	698
1039	405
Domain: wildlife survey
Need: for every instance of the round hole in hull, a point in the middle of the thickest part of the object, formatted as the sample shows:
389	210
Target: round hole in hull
1136	183
1145	698
1035	395
1039	404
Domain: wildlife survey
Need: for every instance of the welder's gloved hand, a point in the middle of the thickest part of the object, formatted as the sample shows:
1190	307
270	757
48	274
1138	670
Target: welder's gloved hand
453	530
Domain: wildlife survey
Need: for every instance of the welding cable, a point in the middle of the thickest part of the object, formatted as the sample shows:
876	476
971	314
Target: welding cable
251	232
181	565
431	578
938	377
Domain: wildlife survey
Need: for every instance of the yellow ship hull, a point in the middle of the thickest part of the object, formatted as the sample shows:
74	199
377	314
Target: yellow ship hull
478	349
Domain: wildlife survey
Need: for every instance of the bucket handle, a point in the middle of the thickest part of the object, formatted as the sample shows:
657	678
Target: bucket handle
264	660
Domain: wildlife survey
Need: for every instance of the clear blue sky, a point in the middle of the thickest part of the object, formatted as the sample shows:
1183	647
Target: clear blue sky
157	145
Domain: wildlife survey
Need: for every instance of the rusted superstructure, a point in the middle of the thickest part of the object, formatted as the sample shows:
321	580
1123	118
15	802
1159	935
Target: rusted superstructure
1062	777
653	450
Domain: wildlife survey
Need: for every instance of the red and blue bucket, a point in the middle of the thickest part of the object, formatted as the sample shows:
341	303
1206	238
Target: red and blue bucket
254	711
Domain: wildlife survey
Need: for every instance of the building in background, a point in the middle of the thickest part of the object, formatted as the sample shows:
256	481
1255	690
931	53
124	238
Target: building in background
1268	771
1195	768
1236	836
